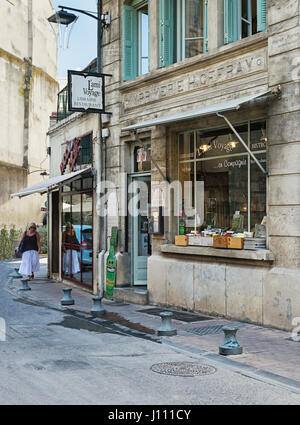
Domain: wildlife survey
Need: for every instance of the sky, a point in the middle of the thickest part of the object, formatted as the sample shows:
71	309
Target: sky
83	39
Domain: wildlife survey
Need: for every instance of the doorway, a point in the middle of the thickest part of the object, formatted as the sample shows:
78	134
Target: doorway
140	205
54	250
77	231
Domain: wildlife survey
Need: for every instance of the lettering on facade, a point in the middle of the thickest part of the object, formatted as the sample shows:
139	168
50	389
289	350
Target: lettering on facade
288	40
198	80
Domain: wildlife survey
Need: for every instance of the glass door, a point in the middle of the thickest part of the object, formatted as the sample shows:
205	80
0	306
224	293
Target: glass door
77	232
141	239
87	239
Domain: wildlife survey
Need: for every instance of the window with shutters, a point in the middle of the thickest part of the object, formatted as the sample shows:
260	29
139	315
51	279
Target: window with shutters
182	30
135	39
243	18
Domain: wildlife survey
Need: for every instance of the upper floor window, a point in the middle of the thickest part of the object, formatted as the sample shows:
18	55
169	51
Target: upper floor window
135	39
243	18
85	155
182	30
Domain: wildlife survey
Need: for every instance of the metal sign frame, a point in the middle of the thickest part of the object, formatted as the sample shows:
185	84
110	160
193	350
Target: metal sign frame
86	75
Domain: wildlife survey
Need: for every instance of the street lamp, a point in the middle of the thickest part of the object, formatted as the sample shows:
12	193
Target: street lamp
63	17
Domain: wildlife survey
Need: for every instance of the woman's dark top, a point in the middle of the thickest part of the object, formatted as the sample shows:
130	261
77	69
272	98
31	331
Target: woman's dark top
71	239
30	243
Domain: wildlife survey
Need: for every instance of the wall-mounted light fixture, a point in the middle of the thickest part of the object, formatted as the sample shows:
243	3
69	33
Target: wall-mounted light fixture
232	144
263	137
205	148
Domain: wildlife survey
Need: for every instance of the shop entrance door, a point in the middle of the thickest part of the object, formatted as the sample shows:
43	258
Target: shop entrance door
77	232
141	240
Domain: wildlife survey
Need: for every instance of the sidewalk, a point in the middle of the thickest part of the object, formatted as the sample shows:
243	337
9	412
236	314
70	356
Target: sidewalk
268	350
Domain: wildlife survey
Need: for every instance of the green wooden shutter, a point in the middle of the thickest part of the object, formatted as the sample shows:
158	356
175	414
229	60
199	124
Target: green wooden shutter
166	32
206	26
129	43
231	20
261	15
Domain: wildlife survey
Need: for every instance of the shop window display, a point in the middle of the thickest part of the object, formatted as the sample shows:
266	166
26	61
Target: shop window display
228	188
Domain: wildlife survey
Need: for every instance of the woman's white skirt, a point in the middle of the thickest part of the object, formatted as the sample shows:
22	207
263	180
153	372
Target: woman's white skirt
67	260
30	263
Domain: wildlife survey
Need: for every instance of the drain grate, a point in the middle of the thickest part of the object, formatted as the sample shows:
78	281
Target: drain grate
183	369
210	330
177	315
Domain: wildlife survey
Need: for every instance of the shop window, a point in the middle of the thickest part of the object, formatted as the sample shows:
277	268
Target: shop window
243	18
135	39
224	179
183	30
76	185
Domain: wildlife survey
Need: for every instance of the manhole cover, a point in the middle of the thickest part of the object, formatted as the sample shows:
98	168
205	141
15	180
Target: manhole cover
183	369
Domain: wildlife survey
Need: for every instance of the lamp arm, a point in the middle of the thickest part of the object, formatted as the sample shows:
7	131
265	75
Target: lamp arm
81	11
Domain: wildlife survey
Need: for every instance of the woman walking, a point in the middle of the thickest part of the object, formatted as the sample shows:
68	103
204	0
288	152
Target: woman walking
31	250
71	263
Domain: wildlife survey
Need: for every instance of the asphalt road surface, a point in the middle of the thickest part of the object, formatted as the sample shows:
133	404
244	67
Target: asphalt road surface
54	357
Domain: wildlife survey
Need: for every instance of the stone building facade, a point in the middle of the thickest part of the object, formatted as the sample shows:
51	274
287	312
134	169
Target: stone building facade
191	81
28	88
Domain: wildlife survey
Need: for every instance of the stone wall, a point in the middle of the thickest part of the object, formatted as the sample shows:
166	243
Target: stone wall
28	91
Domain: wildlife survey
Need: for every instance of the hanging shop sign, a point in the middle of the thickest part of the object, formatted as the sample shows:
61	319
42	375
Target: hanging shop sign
86	91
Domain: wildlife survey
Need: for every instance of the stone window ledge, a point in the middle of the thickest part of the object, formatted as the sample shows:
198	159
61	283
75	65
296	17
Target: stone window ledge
263	255
255	41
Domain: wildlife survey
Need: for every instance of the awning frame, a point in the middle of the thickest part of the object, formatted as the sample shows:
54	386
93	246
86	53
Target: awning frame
226	106
50	183
243	143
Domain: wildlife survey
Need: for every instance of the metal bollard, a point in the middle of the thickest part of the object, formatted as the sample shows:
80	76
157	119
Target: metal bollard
97	309
25	286
230	346
67	299
166	328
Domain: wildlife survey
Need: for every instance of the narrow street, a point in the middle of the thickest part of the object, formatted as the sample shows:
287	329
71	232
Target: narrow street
57	357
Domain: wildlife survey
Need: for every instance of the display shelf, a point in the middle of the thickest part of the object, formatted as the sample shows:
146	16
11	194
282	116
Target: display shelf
262	255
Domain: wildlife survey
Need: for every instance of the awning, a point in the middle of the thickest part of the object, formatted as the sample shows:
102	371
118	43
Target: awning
45	185
229	105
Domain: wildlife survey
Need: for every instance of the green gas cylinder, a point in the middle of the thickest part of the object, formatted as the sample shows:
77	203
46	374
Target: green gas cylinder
111	269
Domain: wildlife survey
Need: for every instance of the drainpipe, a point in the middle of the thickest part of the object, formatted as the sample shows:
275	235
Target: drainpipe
100	173
27	87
